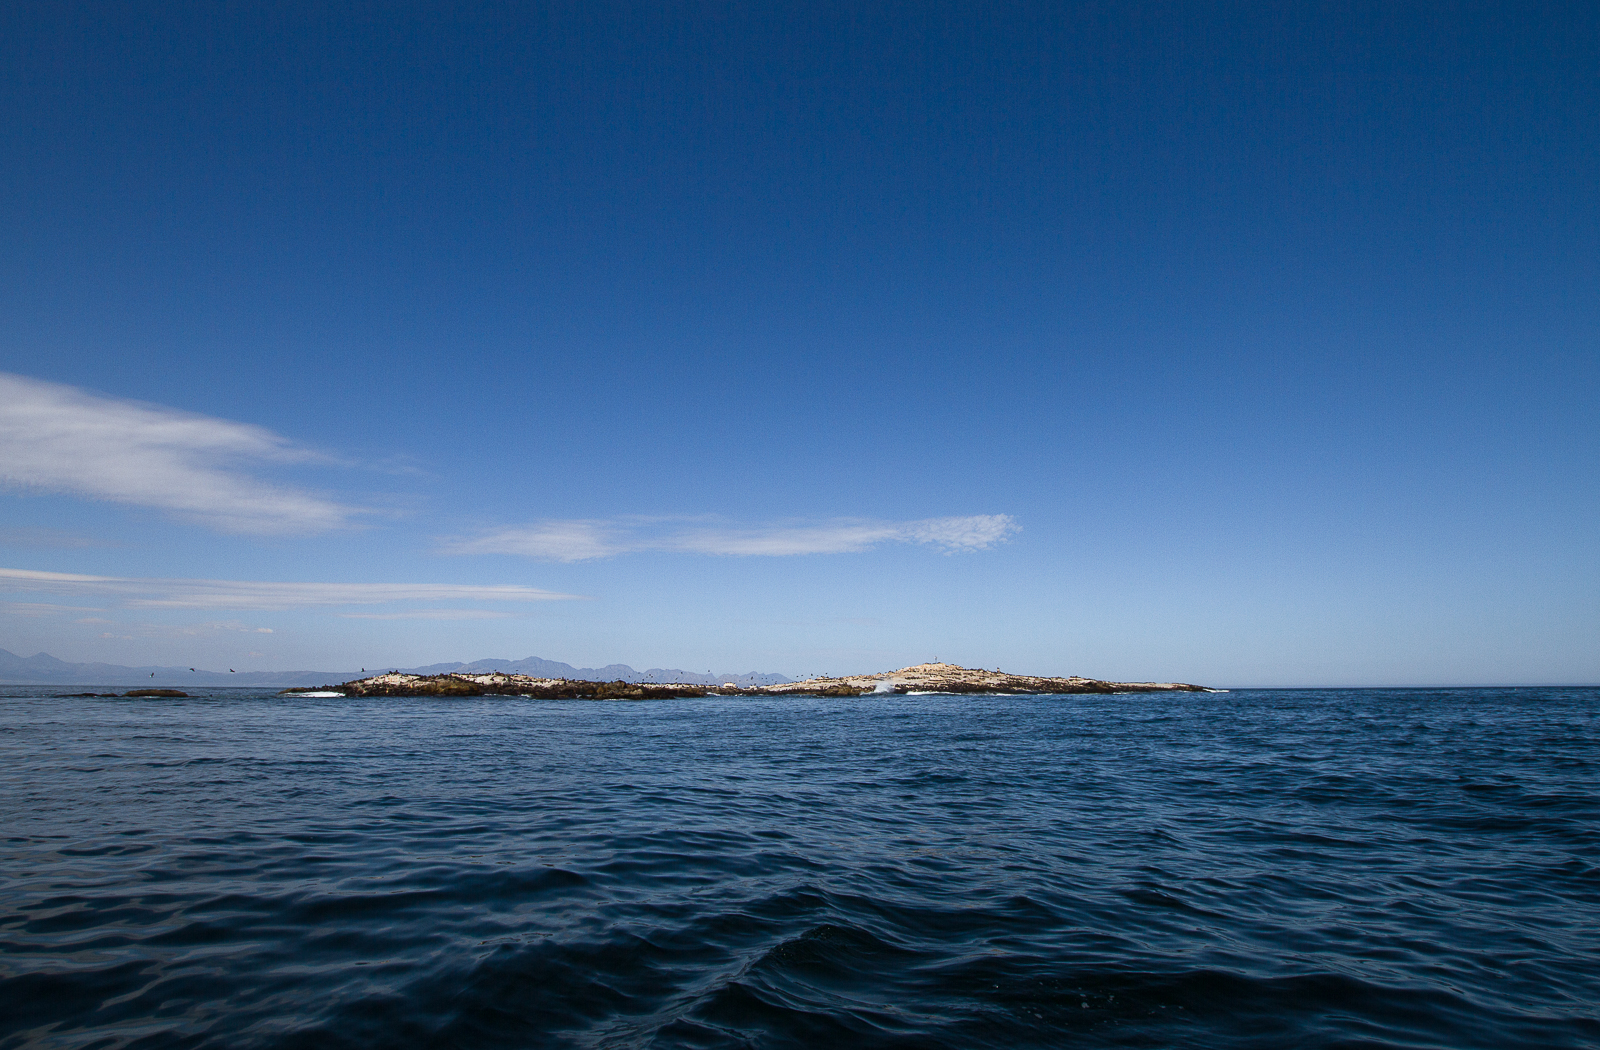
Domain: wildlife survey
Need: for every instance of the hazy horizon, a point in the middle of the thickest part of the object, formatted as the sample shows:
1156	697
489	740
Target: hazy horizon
481	664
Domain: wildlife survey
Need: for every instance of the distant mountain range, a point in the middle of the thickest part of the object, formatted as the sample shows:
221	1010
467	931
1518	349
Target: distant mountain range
538	668
44	669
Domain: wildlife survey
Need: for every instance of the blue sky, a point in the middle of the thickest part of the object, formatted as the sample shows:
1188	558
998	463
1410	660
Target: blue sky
1220	343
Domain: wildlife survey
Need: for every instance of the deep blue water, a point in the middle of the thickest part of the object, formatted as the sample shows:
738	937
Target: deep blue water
1251	869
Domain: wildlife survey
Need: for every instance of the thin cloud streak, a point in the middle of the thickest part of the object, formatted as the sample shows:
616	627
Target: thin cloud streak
586	540
567	541
432	614
49	538
192	630
57	438
46	609
257	595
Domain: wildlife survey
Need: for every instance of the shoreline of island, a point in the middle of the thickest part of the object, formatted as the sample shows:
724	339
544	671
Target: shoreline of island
928	678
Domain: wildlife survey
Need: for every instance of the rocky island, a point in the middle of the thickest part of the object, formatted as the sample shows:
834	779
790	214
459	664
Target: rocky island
921	678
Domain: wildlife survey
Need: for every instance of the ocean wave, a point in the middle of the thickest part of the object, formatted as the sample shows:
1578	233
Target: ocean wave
1286	869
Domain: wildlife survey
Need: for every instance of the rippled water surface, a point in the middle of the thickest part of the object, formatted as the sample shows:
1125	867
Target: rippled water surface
1250	869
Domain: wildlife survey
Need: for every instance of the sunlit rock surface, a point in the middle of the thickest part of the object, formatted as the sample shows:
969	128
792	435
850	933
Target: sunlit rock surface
922	678
951	678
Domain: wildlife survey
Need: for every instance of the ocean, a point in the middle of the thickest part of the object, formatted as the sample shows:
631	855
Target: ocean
1341	868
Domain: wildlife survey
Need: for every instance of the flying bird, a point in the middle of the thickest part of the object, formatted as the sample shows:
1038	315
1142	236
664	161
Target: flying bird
232	671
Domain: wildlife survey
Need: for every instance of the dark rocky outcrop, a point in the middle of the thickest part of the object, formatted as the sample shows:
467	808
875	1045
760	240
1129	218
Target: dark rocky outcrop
512	685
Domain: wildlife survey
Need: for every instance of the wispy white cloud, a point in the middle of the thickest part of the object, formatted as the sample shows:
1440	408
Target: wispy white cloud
584	540
189	630
42	537
59	438
46	609
136	593
432	614
548	540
